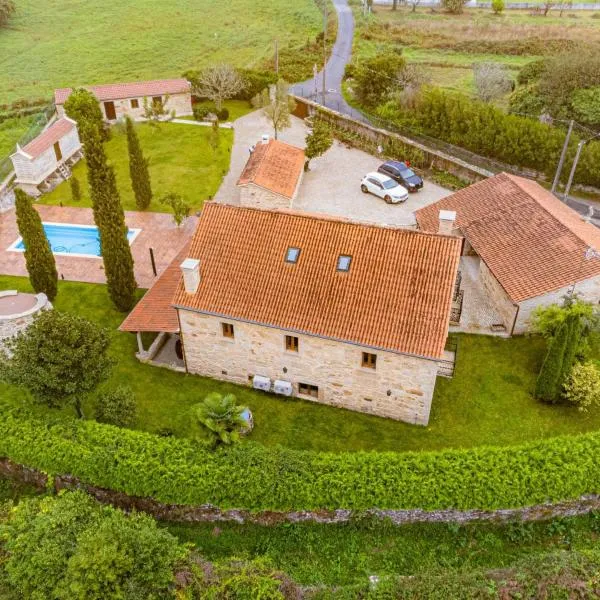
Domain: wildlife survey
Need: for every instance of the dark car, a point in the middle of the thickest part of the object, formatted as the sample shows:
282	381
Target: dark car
403	174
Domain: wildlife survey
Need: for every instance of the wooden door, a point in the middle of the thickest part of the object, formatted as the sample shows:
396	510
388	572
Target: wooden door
109	110
57	152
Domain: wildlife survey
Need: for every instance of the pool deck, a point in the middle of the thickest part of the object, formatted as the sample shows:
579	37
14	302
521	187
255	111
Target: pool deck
158	232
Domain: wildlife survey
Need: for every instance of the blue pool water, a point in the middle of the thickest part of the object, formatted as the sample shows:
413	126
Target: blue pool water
74	239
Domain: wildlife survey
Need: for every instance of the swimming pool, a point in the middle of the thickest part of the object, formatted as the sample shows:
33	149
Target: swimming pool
73	240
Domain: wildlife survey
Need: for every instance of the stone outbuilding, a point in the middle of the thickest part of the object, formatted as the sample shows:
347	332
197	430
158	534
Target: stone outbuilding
523	246
272	175
47	160
350	315
118	100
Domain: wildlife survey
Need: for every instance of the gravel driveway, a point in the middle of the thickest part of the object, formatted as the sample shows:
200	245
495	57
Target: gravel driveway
332	186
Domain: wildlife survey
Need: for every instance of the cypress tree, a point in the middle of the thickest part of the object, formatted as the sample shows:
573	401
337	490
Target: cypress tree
38	255
110	219
548	385
574	325
82	106
75	189
138	168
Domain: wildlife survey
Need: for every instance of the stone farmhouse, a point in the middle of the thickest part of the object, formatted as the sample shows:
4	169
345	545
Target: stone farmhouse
46	160
350	315
118	100
526	248
272	175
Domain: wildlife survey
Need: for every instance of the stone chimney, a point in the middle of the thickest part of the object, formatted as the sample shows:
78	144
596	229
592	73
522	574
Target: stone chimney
447	222
265	138
190	268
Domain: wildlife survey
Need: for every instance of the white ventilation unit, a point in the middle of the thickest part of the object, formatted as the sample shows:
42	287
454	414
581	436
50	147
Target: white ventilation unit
261	383
282	387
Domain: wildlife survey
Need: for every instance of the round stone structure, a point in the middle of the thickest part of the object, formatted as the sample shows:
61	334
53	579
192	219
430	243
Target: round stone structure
17	311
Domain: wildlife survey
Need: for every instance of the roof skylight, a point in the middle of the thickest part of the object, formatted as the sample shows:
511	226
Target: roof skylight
343	263
292	254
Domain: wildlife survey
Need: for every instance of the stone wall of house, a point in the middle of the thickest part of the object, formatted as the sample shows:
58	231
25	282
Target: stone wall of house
588	290
502	303
400	387
34	171
254	196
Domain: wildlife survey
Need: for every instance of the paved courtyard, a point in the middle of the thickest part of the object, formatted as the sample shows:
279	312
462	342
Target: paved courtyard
157	231
332	186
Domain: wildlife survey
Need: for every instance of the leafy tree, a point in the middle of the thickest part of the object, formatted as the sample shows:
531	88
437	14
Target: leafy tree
155	110
277	105
318	141
221	416
72	547
59	358
39	259
376	78
75	189
548	384
498	6
82	106
454	7
110	219
138	168
7	9
582	386
491	80
586	105
181	209
217	83
116	407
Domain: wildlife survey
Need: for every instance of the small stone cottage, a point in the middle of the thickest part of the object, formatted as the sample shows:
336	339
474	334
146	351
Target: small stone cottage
272	175
531	249
120	99
351	315
47	159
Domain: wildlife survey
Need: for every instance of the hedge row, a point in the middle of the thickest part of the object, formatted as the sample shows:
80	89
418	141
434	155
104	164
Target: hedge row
487	130
254	477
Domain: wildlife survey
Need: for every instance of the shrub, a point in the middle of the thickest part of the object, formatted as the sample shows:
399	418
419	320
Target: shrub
221	416
201	112
498	6
491	81
586	105
75	189
116	407
250	476
349	71
526	100
7	9
532	71
223	114
377	77
454	6
318	141
181	209
582	387
255	82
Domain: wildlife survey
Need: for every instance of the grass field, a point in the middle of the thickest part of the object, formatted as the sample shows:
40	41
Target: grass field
56	43
181	160
487	402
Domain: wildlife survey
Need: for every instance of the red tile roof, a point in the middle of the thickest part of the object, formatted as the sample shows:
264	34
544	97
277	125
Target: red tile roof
154	312
275	166
530	240
49	137
137	89
396	295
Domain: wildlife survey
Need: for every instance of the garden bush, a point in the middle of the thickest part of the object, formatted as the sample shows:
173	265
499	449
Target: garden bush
223	114
255	82
201	112
582	387
254	477
116	407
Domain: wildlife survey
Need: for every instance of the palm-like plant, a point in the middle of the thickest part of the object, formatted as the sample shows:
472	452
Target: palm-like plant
221	416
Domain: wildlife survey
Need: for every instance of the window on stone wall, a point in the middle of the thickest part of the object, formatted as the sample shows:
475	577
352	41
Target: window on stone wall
291	343
306	389
227	329
369	360
135	103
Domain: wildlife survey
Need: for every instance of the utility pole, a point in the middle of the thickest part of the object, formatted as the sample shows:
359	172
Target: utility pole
573	169
324	50
563	155
276	58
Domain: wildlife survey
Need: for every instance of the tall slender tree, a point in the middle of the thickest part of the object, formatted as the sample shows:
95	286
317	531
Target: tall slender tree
82	106
38	254
138	168
548	385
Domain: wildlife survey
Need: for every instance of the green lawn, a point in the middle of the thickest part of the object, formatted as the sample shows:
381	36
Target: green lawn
488	401
181	160
55	43
11	131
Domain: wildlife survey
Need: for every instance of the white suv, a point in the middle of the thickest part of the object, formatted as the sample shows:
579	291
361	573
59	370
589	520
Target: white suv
384	187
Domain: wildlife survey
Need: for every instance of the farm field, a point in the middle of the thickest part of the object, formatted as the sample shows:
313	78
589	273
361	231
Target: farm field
181	160
447	46
488	402
145	39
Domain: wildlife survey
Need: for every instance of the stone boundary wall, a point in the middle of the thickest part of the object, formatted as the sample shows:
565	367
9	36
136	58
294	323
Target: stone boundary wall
212	514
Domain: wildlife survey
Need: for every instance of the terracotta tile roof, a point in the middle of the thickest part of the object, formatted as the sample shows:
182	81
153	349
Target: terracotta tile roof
137	89
396	295
49	137
154	312
530	240
275	166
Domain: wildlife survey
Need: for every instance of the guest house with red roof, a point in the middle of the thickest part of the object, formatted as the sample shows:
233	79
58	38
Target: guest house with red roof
328	310
523	247
120	99
47	159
